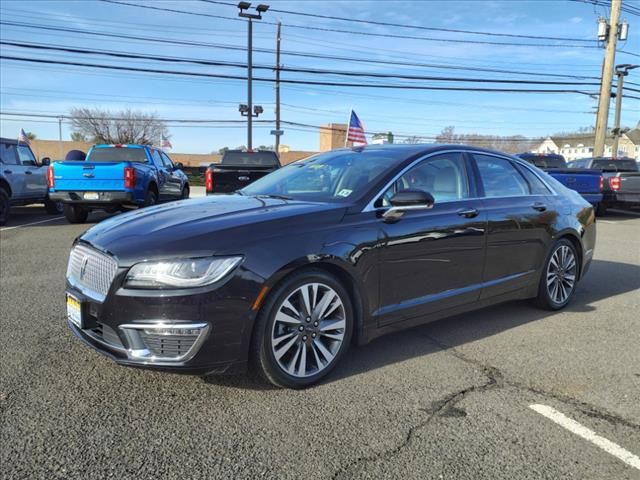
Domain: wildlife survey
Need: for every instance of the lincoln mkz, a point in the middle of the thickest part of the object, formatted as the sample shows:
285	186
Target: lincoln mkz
333	250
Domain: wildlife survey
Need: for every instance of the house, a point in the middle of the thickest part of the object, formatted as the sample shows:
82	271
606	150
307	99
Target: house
580	145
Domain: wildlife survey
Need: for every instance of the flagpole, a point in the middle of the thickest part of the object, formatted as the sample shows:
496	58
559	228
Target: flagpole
346	133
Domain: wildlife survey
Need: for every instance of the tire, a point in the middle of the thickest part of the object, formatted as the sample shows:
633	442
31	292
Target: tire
185	192
601	209
75	214
297	350
559	276
53	208
151	198
4	206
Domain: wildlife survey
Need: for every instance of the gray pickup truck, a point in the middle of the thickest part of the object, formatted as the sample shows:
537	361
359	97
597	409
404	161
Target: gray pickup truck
23	180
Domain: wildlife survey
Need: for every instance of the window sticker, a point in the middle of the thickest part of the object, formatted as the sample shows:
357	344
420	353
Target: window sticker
345	192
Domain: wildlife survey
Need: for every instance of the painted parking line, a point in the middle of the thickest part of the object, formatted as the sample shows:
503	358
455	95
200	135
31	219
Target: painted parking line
32	223
589	435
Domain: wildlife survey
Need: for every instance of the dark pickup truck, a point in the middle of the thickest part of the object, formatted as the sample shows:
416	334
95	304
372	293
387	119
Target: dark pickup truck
621	180
588	183
238	169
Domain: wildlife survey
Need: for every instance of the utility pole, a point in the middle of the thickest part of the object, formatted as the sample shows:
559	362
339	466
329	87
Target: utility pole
610	34
249	110
278	132
621	71
60	137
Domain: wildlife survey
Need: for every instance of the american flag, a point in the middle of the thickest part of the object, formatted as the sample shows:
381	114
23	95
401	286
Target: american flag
22	138
355	133
164	142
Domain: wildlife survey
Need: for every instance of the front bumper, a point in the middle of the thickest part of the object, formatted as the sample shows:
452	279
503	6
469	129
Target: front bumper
137	328
103	198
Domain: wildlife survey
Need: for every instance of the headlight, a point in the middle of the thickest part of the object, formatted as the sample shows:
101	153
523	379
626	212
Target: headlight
188	273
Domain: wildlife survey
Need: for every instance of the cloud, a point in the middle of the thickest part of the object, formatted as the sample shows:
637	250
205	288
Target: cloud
576	19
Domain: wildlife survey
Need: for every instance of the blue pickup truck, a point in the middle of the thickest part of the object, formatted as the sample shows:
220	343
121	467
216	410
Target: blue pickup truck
116	177
588	183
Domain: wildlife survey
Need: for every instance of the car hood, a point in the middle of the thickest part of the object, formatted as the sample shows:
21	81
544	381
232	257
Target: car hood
218	224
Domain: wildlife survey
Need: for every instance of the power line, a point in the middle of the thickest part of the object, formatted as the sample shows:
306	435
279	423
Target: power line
129	55
291	81
354	32
417	27
180	42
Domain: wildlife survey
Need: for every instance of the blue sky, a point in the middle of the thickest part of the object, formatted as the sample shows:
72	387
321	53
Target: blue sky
54	89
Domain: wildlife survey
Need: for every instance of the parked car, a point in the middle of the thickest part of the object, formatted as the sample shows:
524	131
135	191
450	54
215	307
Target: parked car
23	181
116	177
588	183
621	186
239	168
289	271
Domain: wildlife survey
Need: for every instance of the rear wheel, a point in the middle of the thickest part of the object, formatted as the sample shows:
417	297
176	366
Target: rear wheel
151	198
75	213
559	277
53	208
601	209
4	206
303	330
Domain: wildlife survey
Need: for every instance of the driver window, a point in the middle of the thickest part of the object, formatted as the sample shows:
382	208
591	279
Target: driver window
167	161
26	156
443	176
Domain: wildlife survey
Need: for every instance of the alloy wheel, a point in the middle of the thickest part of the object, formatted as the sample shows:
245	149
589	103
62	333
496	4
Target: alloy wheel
561	274
308	330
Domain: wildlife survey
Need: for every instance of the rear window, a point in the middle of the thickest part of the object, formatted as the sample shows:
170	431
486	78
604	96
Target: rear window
259	159
115	154
545	161
615	165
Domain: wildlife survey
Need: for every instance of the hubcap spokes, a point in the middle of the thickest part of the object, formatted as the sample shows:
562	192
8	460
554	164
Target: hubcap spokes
561	274
308	330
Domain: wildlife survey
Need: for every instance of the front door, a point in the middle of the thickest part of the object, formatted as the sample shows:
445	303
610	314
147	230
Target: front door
35	180
433	259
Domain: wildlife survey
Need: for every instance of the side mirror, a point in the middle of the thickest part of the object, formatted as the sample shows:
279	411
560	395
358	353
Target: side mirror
46	161
178	165
407	200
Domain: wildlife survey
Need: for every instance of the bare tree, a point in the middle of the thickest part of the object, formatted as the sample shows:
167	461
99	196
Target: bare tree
103	126
412	139
78	137
512	143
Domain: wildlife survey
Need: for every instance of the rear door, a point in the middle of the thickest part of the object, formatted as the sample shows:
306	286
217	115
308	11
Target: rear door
520	212
12	169
35	180
174	179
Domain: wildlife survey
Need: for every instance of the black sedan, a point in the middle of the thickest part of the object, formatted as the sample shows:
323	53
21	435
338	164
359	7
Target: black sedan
336	249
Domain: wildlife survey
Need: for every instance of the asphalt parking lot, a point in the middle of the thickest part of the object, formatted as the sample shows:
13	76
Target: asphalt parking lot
479	396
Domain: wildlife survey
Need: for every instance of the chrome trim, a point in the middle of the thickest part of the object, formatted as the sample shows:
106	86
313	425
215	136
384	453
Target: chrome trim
397	211
370	208
130	330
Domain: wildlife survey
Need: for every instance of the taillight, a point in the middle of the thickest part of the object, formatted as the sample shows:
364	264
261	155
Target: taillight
614	183
50	179
208	180
601	183
129	177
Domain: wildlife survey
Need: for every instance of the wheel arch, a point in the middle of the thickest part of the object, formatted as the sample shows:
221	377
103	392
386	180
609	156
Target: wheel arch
5	186
573	237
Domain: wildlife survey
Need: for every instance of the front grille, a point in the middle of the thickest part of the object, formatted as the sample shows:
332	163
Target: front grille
168	346
90	269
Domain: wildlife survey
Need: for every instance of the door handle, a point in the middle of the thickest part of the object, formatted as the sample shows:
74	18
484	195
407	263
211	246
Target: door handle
28	172
468	212
539	206
8	172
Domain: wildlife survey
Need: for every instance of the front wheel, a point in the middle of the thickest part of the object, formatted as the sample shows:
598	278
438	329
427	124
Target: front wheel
75	213
53	208
303	330
559	277
4	206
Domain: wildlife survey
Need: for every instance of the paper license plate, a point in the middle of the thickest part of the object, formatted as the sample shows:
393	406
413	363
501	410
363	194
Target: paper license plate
74	311
91	196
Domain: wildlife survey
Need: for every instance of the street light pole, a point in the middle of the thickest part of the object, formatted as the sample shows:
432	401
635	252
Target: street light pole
248	110
621	71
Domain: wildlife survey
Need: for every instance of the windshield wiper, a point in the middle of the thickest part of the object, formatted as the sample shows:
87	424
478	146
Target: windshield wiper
278	197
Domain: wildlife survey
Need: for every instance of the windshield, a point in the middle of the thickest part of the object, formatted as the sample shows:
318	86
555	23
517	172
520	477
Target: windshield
336	176
259	159
615	165
117	154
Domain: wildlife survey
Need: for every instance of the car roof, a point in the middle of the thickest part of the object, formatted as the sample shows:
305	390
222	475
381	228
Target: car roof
122	145
412	149
12	141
